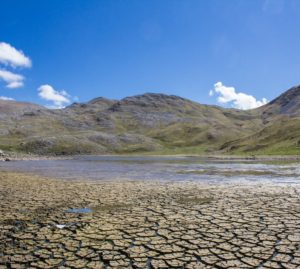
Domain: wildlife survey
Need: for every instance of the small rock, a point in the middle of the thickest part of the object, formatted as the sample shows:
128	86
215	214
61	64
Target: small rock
60	226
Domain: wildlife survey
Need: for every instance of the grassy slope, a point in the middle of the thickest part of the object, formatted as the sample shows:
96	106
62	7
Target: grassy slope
155	124
280	134
279	137
151	123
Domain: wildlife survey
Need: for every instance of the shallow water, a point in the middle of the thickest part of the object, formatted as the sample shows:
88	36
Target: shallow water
81	210
162	168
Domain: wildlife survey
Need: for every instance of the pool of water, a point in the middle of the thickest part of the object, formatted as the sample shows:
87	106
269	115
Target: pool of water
208	171
81	210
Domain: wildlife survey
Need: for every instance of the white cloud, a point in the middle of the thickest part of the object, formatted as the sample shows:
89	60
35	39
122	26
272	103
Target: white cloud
58	98
13	57
12	80
6	98
228	95
15	84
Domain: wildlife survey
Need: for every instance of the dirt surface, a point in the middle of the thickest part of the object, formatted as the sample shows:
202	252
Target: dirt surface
47	223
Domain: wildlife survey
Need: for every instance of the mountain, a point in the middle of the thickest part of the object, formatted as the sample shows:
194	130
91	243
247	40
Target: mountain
287	103
156	123
14	109
281	128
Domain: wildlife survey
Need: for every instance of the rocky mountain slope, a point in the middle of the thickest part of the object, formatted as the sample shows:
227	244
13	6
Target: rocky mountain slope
281	128
155	123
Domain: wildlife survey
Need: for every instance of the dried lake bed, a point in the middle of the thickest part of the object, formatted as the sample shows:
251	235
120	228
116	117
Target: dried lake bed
149	212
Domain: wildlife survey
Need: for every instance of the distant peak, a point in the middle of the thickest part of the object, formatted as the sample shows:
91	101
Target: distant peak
153	96
287	103
287	96
100	100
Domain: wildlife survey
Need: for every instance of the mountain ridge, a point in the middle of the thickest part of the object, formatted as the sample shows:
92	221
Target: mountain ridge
150	122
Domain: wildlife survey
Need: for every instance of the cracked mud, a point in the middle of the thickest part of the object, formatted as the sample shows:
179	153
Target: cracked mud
47	223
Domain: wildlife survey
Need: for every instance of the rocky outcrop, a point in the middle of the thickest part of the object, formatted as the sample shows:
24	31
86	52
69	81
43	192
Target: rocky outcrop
4	157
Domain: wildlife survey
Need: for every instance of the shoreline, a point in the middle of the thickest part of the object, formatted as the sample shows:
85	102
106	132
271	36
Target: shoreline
24	157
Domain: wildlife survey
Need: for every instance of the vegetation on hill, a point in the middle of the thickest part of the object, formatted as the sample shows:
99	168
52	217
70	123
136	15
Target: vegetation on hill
152	123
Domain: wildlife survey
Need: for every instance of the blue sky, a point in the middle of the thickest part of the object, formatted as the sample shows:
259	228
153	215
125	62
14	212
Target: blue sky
83	49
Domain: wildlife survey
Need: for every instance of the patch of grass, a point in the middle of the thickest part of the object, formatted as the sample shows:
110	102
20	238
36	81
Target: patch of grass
280	137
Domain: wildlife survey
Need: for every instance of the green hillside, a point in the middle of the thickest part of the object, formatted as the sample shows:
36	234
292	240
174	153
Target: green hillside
152	123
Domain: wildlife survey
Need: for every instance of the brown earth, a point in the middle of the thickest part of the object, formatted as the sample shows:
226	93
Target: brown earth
146	224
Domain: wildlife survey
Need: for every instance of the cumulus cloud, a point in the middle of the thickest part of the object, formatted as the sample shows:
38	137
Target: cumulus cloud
59	99
12	80
228	95
10	57
13	57
6	98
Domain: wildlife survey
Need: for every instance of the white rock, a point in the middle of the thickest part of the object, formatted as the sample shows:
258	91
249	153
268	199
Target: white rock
60	226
